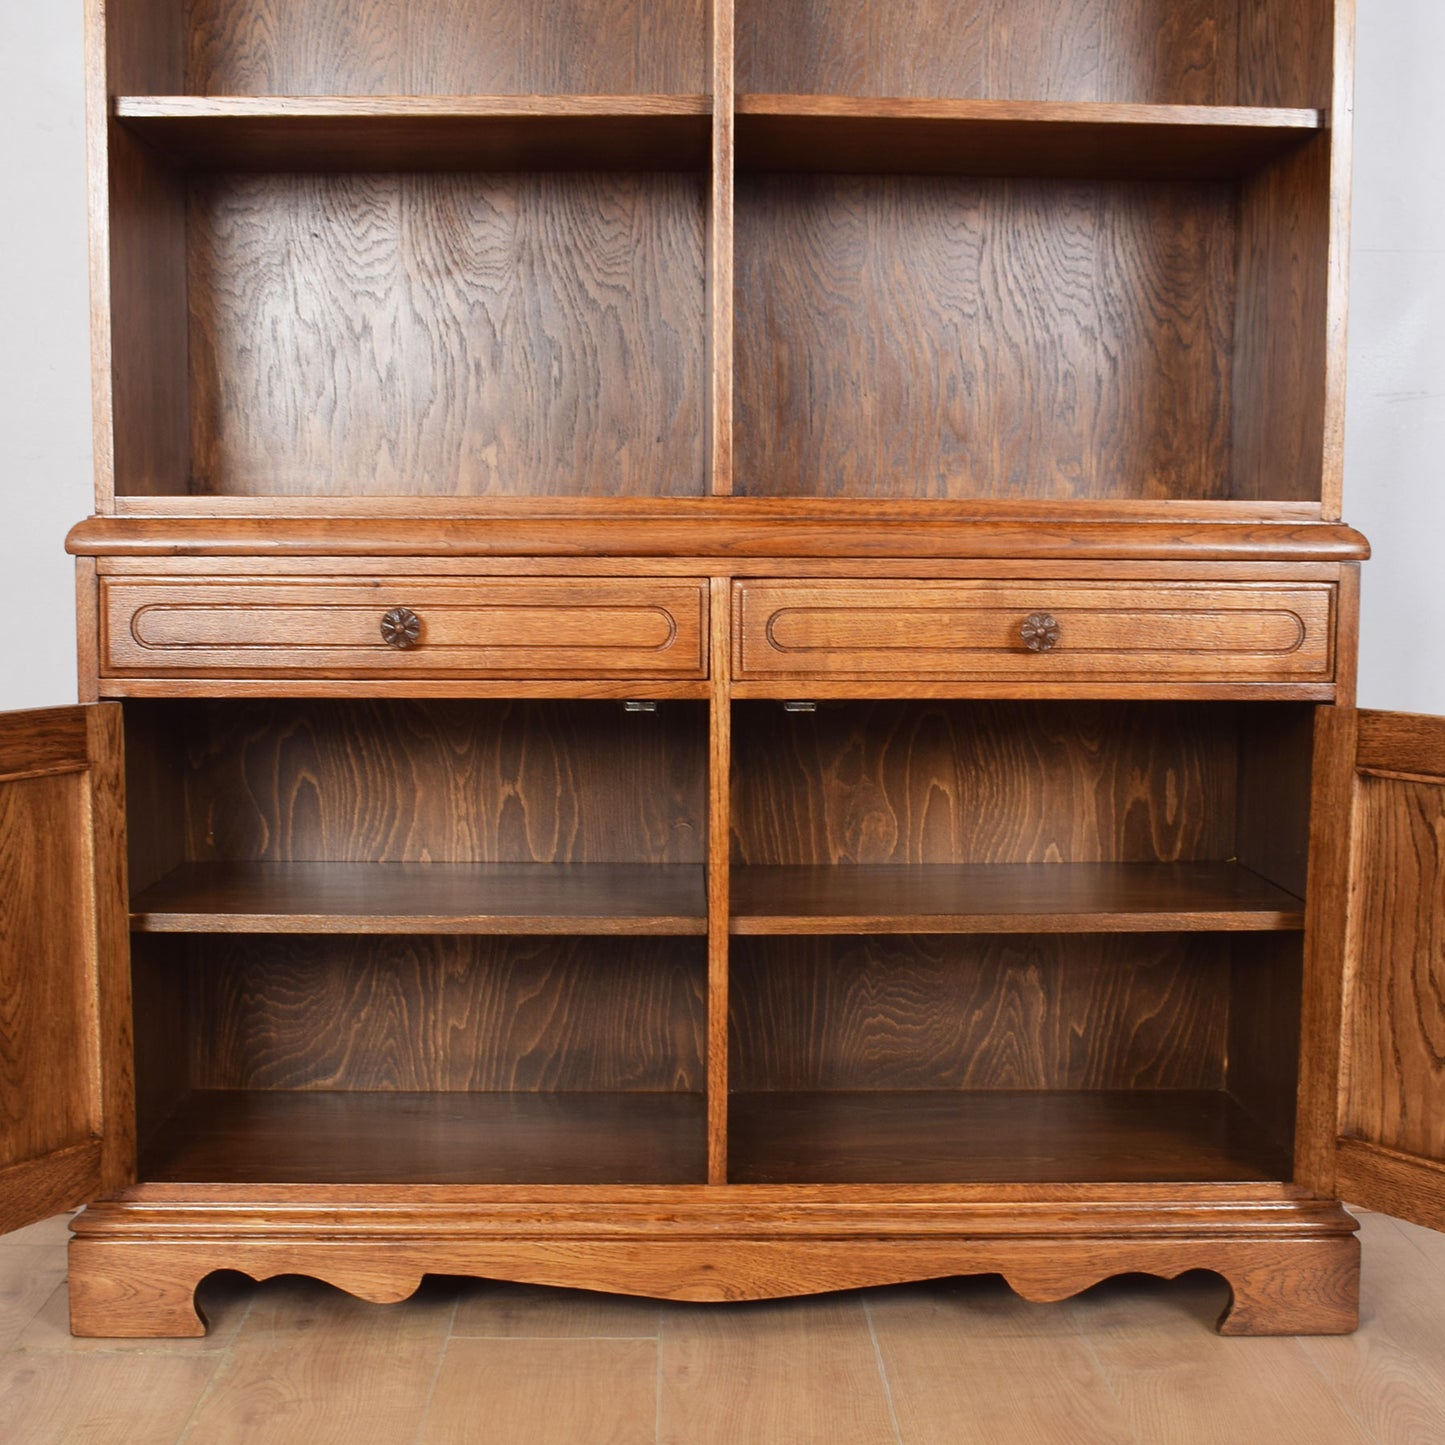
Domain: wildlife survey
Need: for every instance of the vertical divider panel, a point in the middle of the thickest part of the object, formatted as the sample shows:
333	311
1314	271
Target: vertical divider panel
720	257
719	842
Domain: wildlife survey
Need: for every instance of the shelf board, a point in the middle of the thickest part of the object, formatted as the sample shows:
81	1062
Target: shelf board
443	133
1095	140
1004	1137
426	898
1009	898
294	1137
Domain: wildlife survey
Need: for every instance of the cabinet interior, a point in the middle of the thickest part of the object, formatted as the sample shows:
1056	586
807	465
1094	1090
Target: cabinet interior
476	929
1169	52
409	47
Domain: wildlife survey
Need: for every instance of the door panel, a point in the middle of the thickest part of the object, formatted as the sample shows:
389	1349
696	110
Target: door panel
66	1107
1377	937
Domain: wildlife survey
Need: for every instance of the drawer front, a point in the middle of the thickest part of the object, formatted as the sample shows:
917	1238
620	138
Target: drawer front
554	628
1221	632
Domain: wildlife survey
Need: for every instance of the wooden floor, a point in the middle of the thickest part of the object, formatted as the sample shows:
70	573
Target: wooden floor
954	1363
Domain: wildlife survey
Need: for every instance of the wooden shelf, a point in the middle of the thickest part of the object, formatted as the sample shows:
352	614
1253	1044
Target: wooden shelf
389	133
1014	138
290	1137
1009	898
1004	1137
555	898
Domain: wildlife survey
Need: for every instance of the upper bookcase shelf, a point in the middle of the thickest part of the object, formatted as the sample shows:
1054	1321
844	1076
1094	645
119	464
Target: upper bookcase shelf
1099	140
443	133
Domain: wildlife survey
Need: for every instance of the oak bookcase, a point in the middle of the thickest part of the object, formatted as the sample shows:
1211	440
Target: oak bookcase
720	657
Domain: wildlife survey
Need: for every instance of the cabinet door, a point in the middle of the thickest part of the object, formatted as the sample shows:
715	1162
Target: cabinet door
67	1110
1373	1088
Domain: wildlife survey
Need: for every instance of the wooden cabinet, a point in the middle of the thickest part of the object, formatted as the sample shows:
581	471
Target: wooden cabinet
732	647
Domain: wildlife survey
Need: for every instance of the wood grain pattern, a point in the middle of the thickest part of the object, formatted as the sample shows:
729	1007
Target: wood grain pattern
1283	327
1174	51
47	1002
451	133
1089	139
1262	1058
139	326
926	1136
977	1013
935	337
899	782
1005	897
445	1014
442	782
280	1137
426	898
1119	631
445	47
536	333
925	533
575	627
719	880
1393	1089
722	218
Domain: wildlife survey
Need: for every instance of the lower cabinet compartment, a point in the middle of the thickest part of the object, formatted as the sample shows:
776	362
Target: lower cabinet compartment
1013	1059
409	1060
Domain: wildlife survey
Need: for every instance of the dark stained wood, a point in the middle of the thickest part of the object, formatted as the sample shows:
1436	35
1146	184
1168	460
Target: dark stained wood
336	627
1296	52
1006	897
940	337
363	335
139	326
1024	1011
944	1137
144	44
1013	137
961	783
454	133
1276	773
1262	1060
441	782
66	1083
1167	51
402	1138
1121	631
400	898
445	47
1282	328
447	1014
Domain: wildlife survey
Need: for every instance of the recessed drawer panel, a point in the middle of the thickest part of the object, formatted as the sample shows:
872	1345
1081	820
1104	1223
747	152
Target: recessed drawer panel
558	627
1035	631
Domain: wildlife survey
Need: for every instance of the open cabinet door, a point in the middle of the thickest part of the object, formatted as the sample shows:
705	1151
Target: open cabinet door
67	1109
1373	1102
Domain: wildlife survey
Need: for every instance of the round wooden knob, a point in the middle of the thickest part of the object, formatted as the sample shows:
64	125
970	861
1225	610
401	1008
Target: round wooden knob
1040	632
400	628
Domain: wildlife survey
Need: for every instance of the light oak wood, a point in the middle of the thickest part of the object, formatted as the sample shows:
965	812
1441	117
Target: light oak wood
1046	313
66	1082
484	627
923	630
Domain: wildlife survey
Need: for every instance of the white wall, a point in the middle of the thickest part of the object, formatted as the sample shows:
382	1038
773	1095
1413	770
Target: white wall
45	477
1395	483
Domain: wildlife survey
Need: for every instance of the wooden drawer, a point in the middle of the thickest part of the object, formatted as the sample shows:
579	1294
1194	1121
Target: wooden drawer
325	627
1102	632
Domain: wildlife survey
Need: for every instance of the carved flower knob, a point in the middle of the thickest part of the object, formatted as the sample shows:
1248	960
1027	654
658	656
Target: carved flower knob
400	628
1040	632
